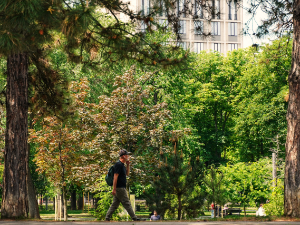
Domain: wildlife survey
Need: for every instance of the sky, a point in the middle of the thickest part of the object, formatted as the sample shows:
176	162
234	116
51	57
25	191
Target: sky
249	40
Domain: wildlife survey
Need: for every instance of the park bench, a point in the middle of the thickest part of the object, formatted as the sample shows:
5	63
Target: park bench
234	210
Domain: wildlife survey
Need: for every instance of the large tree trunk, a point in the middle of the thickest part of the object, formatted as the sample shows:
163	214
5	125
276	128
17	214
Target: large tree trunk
14	197
292	161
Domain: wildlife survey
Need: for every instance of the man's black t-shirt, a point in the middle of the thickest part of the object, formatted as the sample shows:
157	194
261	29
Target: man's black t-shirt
121	170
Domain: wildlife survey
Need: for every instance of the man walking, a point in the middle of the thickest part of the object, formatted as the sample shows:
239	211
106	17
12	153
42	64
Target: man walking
119	186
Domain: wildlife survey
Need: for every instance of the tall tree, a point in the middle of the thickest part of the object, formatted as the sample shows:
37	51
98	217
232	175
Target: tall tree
176	175
22	25
261	101
27	28
284	18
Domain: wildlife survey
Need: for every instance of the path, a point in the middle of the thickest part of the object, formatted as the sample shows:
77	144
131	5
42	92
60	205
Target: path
9	222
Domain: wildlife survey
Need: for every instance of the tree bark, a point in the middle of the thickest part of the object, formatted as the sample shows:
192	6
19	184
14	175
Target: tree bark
54	203
33	207
46	203
60	205
292	161
14	196
80	202
179	207
65	203
73	200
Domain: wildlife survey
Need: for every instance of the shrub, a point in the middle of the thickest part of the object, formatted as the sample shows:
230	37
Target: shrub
275	206
105	201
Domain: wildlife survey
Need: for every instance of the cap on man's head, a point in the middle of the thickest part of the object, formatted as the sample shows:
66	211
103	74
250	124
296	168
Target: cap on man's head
124	152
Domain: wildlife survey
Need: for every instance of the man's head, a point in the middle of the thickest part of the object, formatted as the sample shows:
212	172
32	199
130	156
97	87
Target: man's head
124	154
155	213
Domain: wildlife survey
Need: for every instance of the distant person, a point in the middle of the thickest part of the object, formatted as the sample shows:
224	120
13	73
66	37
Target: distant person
154	216
212	208
119	186
261	211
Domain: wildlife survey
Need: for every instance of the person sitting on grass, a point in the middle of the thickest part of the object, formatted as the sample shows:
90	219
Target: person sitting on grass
154	216
261	211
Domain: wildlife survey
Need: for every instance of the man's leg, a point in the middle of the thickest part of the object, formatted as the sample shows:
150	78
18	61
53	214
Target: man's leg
115	204
123	197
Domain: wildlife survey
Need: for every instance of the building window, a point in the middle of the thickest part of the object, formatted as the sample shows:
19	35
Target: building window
180	8
198	27
216	28
182	45
163	22
162	8
216	47
232	29
232	47
182	29
198	47
143	26
198	10
216	14
232	10
145	7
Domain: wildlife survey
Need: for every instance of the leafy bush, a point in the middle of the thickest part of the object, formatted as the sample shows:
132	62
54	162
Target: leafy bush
275	207
105	201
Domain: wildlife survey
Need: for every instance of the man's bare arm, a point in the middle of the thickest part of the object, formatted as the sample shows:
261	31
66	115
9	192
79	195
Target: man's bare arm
116	175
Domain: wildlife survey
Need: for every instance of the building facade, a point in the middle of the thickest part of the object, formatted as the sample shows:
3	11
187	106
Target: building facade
225	26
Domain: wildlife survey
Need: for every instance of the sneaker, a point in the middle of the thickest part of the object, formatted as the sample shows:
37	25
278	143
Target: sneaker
107	219
137	219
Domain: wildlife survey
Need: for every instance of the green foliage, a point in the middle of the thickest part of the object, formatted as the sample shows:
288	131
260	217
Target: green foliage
275	205
214	184
193	203
105	200
262	101
171	212
177	175
248	183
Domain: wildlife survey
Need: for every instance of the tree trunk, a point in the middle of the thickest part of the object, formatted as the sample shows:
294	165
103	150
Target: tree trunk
292	161
41	200
54	203
60	205
80	202
65	203
14	196
73	200
46	203
33	207
179	207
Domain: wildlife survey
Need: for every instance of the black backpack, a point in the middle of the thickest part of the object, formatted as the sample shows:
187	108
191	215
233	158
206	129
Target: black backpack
109	178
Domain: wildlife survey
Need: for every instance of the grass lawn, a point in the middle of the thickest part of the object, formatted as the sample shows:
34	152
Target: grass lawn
145	214
73	214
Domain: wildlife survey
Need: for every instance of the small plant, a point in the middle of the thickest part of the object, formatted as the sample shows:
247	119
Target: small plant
275	206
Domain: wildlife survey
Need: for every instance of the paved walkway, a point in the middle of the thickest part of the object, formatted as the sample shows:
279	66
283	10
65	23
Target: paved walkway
9	222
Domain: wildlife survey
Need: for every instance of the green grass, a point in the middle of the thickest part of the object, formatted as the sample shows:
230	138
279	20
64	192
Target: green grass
146	214
72	213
